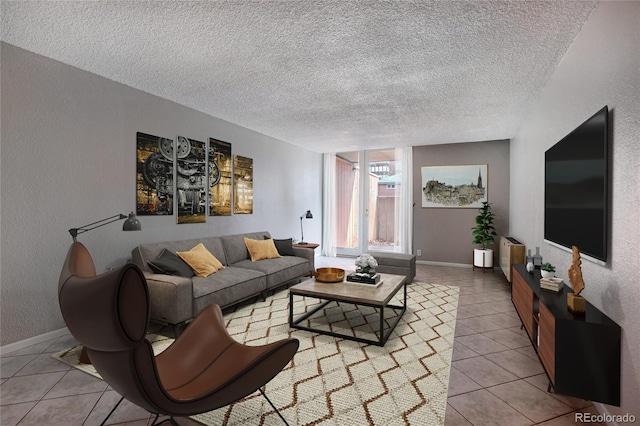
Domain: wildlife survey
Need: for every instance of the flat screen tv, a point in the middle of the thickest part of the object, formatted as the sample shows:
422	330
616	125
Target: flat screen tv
575	189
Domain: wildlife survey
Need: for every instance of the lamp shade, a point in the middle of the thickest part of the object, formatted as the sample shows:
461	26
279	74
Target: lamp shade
308	215
132	223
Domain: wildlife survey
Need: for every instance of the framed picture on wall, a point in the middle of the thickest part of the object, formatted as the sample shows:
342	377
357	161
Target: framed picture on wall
243	185
220	178
454	186
154	175
191	180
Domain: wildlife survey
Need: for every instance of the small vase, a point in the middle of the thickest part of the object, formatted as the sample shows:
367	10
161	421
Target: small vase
530	267
537	258
528	258
547	274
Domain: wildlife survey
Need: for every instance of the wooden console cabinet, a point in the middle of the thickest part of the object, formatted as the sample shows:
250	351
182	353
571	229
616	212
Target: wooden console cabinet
580	354
511	252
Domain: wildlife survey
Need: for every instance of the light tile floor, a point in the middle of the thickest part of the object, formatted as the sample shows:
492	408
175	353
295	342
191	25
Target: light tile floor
496	377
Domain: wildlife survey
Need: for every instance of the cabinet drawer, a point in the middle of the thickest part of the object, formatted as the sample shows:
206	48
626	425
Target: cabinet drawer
547	348
522	297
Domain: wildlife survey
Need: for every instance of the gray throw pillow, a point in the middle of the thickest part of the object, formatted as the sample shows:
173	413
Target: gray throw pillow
284	247
169	263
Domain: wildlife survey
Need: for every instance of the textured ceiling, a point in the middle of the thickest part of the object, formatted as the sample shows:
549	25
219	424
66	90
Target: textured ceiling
325	75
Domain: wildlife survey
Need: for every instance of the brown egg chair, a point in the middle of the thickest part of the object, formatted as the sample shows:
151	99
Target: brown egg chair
203	369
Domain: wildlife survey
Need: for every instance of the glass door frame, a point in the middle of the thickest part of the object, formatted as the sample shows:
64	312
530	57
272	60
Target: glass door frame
363	212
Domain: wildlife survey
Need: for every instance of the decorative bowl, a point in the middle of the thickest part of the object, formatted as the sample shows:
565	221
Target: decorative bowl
329	275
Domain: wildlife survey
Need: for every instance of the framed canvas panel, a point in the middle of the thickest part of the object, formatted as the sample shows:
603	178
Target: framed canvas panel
454	186
220	178
243	185
191	180
154	175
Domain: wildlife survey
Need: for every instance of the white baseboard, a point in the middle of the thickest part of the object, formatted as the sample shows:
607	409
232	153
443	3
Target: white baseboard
610	419
11	347
602	410
455	265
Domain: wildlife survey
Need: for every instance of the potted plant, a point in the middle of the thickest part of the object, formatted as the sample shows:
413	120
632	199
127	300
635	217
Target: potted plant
367	264
483	233
547	270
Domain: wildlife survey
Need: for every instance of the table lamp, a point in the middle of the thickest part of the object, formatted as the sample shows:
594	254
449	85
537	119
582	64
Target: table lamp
306	215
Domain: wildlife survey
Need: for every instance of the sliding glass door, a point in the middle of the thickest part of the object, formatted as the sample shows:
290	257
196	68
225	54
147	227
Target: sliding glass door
349	200
367	196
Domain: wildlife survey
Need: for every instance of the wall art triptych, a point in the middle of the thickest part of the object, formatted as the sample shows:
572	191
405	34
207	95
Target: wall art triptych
220	178
154	175
243	185
191	178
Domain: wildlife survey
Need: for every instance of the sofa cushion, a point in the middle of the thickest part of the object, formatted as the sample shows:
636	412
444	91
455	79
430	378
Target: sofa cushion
227	287
169	263
284	247
278	271
261	249
235	249
201	260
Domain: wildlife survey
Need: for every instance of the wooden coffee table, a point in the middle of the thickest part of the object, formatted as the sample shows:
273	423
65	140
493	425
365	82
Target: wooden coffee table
357	294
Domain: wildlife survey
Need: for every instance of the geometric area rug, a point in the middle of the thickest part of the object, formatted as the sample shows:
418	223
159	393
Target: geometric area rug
334	381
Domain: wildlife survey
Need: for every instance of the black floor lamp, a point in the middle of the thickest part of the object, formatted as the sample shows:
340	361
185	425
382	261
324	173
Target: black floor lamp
306	215
131	224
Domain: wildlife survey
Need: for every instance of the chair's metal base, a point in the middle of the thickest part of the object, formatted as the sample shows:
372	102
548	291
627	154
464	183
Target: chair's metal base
155	420
273	406
173	421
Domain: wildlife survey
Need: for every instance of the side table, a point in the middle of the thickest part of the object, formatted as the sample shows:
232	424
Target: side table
312	246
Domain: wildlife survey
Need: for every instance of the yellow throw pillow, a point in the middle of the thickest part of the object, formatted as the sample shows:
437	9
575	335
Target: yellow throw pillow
201	260
261	249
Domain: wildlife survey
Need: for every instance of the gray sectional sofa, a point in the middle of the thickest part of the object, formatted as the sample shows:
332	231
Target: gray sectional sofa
177	299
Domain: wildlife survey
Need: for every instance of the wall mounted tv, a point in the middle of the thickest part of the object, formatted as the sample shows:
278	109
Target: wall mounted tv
576	202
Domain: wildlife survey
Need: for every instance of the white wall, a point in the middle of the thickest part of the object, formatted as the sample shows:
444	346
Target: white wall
602	67
69	158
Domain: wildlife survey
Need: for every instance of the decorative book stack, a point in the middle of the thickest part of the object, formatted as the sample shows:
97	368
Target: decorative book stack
551	284
364	278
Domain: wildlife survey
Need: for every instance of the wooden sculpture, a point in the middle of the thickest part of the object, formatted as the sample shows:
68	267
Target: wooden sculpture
576	303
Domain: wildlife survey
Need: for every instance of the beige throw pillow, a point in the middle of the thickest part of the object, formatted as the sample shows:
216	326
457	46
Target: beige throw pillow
261	249
201	260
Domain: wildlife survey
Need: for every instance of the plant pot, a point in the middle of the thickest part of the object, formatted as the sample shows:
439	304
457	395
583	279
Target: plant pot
483	258
546	274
